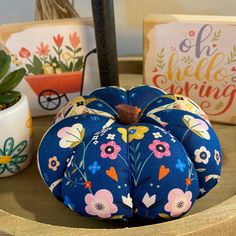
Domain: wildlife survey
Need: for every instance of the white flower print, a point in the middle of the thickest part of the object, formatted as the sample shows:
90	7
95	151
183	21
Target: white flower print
111	136
149	200
71	136
197	126
217	157
128	201
157	135
202	155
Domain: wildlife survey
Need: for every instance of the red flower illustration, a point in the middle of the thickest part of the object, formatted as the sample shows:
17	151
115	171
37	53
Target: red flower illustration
58	40
43	50
24	53
74	40
87	184
188	181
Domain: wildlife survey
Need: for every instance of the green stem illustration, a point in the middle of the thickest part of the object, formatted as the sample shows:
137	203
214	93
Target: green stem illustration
84	176
73	63
123	159
142	168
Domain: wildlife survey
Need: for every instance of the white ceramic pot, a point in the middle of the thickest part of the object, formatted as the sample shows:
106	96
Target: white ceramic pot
15	138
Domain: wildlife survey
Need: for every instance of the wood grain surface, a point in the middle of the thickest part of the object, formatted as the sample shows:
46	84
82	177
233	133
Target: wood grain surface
28	208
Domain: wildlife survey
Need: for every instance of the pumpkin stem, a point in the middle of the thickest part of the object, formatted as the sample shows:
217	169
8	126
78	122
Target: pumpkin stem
128	115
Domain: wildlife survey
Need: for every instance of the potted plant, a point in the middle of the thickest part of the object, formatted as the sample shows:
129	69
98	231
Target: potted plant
15	121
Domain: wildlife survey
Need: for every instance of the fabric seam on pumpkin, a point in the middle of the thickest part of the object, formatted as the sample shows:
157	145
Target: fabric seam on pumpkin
130	176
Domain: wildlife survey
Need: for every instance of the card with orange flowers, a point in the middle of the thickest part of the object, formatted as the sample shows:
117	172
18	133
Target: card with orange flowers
53	54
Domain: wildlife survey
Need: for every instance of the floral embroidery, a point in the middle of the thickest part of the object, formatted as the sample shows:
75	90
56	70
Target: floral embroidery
101	204
94	167
53	163
180	165
202	155
217	157
160	149
110	150
137	132
11	157
178	202
71	136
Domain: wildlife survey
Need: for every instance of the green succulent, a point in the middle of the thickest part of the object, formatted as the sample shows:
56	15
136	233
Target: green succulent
8	81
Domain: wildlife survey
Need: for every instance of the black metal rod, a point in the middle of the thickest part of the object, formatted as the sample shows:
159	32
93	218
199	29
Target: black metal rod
105	33
84	68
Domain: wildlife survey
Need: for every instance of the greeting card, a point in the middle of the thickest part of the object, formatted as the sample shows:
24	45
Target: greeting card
194	56
53	54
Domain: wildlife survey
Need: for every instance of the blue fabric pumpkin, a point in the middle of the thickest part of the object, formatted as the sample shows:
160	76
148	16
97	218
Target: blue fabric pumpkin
151	158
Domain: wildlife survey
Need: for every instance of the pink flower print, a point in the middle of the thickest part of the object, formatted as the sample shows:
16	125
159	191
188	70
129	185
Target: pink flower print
110	150
43	50
101	204
160	149
24	53
178	202
74	40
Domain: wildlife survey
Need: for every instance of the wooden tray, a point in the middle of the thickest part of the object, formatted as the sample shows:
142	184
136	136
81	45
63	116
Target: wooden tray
28	208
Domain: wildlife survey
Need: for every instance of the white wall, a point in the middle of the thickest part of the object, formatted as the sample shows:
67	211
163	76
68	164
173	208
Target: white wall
129	15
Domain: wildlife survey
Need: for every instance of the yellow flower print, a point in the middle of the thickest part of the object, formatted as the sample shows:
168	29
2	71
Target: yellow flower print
47	69
123	132
5	159
58	70
134	132
29	124
67	56
137	132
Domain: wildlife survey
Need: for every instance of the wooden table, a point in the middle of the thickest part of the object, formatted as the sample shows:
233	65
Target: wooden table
28	208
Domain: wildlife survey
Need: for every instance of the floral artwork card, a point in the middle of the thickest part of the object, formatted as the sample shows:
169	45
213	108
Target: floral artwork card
53	54
194	56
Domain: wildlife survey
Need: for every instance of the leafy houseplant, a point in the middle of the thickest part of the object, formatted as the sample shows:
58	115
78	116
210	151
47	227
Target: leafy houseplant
8	96
15	121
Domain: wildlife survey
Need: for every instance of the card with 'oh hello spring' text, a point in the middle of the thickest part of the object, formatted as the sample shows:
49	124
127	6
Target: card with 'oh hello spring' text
194	56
